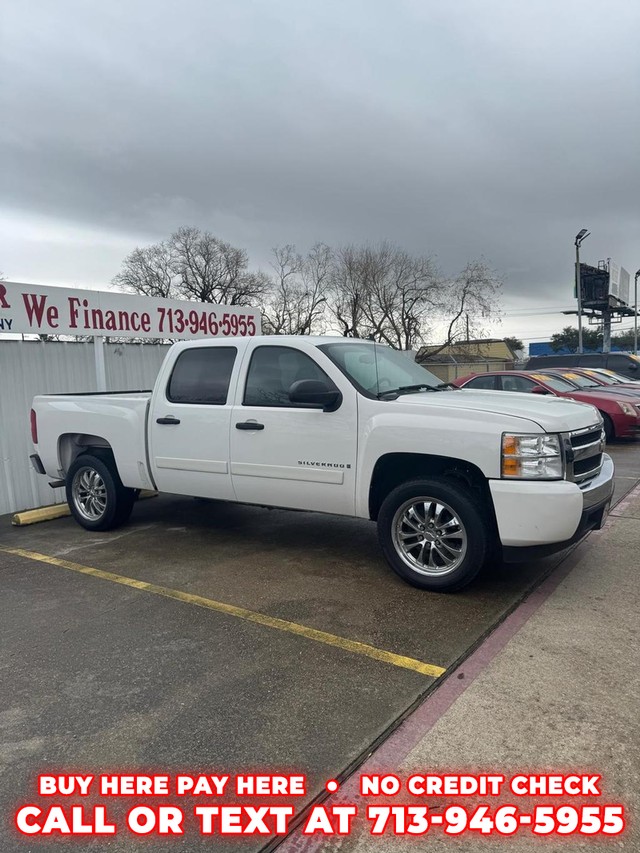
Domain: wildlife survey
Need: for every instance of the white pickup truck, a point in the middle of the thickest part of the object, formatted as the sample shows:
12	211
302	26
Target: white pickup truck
341	426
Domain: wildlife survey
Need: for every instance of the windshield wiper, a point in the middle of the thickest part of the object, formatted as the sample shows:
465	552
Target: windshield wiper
444	385
409	389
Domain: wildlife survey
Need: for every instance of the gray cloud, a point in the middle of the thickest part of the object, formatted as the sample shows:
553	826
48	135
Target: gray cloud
465	128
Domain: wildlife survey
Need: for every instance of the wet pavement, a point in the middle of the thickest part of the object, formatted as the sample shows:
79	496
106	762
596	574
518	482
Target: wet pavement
103	673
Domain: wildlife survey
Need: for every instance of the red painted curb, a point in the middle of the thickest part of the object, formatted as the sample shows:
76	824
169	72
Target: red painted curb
390	755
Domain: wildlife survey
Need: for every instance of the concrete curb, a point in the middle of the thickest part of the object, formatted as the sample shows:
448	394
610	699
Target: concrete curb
393	751
49	513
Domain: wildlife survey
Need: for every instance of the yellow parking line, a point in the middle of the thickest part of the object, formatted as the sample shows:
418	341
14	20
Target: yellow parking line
429	669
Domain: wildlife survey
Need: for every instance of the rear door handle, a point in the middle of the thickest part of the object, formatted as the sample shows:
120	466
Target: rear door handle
249	425
169	420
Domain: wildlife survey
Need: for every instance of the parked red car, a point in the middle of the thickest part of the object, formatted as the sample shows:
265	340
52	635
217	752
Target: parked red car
582	381
613	381
615	377
621	414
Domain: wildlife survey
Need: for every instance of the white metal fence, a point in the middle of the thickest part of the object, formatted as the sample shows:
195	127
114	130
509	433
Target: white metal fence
28	368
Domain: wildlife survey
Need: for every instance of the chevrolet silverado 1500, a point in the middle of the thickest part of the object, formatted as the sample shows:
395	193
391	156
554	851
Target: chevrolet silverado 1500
338	426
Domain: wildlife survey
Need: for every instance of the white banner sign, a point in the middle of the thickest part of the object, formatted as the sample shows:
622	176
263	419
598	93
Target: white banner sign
624	287
34	309
619	281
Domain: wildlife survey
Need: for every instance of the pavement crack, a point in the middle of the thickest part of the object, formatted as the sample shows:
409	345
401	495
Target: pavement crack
93	543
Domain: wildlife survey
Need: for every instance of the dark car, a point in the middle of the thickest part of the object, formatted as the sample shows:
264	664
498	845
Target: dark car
624	363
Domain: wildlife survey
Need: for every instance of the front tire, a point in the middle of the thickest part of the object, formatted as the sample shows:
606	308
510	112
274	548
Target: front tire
609	429
432	535
95	494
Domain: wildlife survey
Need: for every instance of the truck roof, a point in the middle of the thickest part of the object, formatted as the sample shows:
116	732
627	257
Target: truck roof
316	340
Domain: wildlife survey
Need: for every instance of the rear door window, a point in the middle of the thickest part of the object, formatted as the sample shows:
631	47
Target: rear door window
594	360
552	361
623	364
570	360
484	383
517	383
201	376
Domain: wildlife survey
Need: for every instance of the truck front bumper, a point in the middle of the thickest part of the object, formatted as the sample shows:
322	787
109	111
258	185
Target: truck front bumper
538	518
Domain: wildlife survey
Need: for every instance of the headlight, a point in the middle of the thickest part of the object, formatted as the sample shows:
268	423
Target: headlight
627	408
532	457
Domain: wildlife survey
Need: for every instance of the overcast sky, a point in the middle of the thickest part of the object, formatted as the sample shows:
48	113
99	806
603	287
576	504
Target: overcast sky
467	128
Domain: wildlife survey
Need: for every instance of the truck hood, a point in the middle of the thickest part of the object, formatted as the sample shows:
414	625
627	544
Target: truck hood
552	414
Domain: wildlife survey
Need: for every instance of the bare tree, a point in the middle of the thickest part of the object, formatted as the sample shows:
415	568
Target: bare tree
349	292
299	292
209	269
279	317
470	301
195	265
315	279
404	294
379	292
383	293
149	271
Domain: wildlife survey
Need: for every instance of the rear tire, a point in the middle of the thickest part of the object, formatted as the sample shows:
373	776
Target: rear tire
95	494
434	536
609	429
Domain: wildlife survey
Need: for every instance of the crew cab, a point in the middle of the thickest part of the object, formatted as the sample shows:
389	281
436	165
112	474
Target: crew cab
341	426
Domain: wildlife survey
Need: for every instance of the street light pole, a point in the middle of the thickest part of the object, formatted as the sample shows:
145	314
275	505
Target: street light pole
635	315
580	236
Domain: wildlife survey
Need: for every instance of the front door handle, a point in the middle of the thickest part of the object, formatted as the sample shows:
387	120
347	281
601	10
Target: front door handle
168	420
249	425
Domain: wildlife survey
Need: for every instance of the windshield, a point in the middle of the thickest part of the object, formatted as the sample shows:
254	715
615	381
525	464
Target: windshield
553	382
580	381
601	377
376	369
616	377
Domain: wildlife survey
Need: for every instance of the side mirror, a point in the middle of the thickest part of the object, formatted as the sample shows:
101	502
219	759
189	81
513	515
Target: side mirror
538	389
315	394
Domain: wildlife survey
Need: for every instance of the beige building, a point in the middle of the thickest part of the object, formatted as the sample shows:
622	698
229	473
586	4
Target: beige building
464	357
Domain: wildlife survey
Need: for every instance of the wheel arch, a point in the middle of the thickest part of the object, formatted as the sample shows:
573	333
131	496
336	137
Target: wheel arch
609	424
393	469
73	444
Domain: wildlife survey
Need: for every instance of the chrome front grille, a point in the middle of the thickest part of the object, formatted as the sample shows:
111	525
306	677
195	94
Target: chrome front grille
583	452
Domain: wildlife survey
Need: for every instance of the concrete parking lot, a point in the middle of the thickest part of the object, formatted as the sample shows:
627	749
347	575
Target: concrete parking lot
208	637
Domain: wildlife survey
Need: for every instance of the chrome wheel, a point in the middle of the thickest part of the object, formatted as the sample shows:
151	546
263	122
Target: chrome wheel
89	494
429	536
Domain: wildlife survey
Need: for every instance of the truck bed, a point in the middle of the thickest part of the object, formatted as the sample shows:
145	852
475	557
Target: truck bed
118	419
